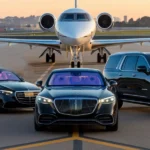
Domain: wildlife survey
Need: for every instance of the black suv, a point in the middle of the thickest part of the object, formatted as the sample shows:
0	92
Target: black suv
132	72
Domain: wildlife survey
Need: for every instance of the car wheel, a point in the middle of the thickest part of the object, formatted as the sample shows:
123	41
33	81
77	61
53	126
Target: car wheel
120	104
2	110
113	127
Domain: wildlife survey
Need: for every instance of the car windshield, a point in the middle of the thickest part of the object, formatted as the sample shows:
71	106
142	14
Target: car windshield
76	78
8	76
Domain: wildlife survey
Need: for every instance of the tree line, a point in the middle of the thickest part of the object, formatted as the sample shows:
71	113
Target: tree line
140	22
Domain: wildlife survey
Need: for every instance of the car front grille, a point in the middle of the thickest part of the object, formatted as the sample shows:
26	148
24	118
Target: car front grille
76	106
26	99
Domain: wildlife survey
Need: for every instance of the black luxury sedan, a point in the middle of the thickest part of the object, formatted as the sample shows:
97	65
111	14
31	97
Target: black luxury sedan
131	70
15	92
76	96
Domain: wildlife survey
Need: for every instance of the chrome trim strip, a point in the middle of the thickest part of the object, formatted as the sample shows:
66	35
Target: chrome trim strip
138	102
135	95
76	98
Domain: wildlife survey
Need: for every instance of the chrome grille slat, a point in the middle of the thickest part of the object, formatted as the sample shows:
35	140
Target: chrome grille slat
26	100
75	106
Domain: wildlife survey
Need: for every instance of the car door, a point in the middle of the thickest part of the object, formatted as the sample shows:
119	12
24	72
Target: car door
126	84
142	81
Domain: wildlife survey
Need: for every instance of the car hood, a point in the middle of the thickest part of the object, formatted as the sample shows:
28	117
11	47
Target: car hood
18	86
88	92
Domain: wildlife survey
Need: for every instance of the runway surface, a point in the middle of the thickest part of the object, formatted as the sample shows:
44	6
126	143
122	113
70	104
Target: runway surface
16	126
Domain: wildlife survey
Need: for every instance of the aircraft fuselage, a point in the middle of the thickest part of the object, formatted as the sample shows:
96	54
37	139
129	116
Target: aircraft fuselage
75	27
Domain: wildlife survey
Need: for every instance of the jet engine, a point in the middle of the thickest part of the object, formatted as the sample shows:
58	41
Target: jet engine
105	21
47	22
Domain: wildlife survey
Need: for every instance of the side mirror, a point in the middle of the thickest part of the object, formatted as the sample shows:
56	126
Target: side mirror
142	69
39	83
113	83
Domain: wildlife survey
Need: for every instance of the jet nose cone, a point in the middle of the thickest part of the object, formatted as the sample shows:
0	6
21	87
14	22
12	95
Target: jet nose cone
75	33
74	30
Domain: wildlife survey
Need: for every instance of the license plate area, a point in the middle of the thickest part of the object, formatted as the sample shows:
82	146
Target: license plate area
29	94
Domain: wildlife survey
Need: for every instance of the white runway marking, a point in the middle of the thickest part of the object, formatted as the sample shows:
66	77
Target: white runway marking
45	73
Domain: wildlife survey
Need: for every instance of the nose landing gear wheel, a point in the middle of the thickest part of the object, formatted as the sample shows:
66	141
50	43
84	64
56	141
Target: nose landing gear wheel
78	64
72	64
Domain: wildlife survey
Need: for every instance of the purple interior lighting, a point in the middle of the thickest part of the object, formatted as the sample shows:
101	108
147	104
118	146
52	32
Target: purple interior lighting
83	78
8	76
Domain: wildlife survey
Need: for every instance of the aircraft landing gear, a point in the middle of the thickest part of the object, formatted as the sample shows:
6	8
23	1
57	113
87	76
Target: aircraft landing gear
52	58
75	57
50	55
101	57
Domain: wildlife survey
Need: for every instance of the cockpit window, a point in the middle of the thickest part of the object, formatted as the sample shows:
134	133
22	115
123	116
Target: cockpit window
75	17
82	17
67	17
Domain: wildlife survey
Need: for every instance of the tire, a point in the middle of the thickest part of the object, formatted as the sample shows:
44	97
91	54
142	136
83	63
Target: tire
105	58
113	127
47	58
53	57
78	64
120	104
98	58
72	64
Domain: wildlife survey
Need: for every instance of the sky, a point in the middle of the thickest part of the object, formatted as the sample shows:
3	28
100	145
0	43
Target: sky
117	8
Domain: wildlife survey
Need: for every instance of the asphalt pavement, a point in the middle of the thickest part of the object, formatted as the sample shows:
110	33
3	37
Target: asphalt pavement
16	126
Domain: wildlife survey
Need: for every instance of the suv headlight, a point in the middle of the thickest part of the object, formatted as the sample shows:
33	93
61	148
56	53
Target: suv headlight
6	92
44	100
107	100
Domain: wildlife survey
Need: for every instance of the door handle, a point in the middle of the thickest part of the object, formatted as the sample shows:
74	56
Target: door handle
134	75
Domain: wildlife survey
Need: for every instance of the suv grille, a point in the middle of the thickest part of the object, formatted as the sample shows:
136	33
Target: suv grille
28	99
75	107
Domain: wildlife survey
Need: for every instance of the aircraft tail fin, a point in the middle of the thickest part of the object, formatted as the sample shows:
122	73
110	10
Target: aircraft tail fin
76	3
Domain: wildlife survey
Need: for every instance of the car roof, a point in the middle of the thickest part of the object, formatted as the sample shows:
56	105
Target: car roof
75	69
131	53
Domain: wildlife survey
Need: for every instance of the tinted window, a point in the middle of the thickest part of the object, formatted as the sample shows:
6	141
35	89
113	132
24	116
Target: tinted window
76	78
8	76
113	62
141	62
148	57
129	63
82	17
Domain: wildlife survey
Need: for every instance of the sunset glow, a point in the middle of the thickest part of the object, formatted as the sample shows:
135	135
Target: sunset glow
118	8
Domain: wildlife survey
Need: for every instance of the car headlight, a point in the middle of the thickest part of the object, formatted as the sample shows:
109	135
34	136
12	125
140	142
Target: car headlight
6	92
107	100
44	100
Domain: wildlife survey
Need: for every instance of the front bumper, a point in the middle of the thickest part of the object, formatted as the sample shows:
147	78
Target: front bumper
104	114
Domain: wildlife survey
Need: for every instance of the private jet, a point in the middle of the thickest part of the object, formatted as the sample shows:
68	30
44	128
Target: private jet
75	29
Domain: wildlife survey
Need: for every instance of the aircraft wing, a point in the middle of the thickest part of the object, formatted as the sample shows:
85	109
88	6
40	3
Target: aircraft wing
36	42
121	42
